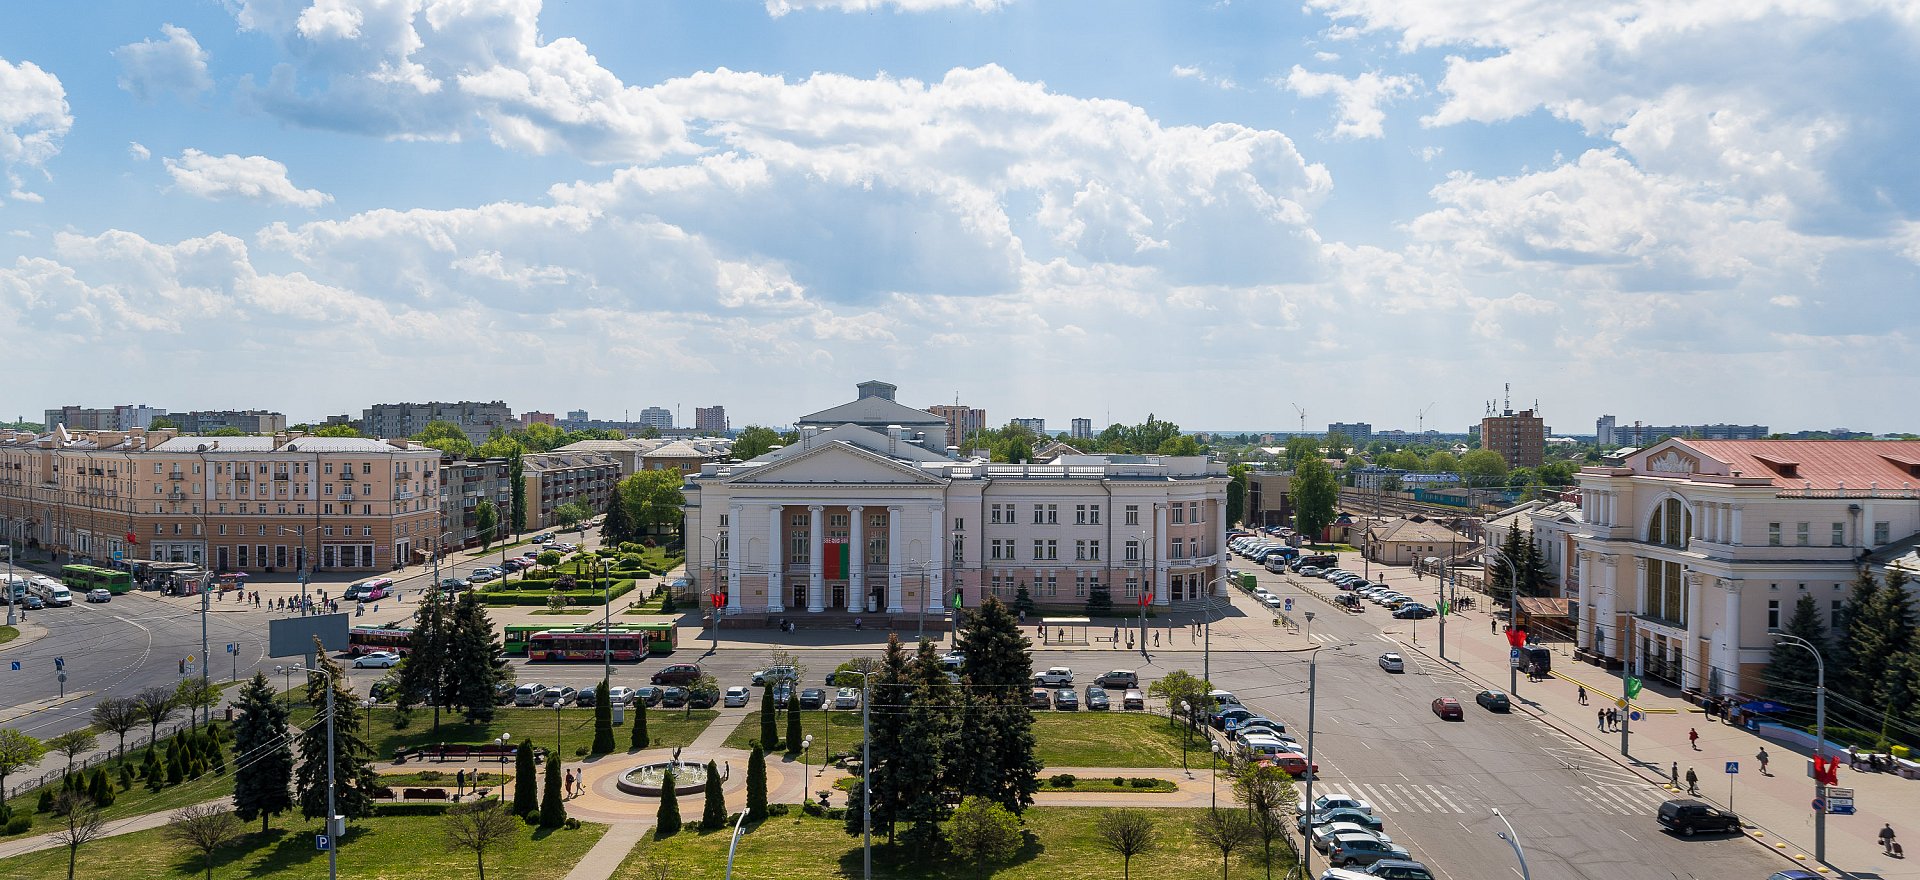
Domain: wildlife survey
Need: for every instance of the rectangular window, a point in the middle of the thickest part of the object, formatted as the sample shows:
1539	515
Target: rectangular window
1179	513
327	468
1039	514
1839	536
799	547
326	531
1882	533
1133	514
1039	549
1053	584
1053	514
959	552
1079	585
1053	549
1080	550
1093	514
720	546
1802	534
365	531
959	523
723	520
1773	614
1773	534
1835	611
223	529
837	520
366	467
1133	550
877	550
1093	549
1079	514
1132	589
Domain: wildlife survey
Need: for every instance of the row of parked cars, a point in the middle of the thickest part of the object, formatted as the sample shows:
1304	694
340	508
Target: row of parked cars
1053	689
1357	588
554	696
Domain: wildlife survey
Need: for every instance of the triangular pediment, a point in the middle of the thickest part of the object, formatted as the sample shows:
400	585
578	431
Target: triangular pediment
833	462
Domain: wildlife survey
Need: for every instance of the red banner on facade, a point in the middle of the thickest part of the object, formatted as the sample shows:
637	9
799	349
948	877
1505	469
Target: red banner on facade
837	563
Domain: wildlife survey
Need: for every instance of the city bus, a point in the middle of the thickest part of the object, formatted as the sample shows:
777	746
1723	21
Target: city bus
82	578
367	639
584	645
518	633
662	637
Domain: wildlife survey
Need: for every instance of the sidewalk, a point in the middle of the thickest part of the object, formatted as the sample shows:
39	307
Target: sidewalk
1776	806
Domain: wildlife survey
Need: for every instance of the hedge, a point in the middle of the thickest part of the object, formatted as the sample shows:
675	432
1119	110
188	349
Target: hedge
423	808
538	598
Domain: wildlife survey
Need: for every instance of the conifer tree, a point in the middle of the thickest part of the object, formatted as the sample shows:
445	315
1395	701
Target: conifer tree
999	763
918	770
553	810
426	668
757	785
602	719
526	788
713	815
667	823
353	780
890	694
262	782
769	733
473	664
1791	669
640	738
794	736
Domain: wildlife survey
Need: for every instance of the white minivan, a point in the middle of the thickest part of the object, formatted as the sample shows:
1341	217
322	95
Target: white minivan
51	591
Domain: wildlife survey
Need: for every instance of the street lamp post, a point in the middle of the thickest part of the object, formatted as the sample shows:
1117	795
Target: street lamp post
1187	713
1513	619
333	825
806	762
713	589
1513	840
1213	775
866	771
1819	741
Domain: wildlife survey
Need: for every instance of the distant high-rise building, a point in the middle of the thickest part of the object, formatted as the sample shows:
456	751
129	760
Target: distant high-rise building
1082	429
657	417
1646	435
1603	430
476	419
112	418
251	421
537	418
711	419
962	421
1520	438
1358	432
1037	426
576	415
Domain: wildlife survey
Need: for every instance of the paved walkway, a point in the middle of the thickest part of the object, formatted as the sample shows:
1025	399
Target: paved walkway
115	828
606	856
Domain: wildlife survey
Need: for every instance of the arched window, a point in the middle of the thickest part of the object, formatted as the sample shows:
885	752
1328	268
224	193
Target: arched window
1671	524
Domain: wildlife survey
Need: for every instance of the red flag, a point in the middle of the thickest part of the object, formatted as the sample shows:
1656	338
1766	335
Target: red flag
1146	598
719	599
1517	637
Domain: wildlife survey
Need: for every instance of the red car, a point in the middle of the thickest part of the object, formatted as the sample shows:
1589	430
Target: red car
678	674
1291	763
1448	709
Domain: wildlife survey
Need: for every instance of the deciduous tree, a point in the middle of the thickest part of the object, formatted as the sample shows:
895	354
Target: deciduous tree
204	828
82	822
983	832
118	716
1225	831
18	751
1315	493
72	743
1127	833
478	826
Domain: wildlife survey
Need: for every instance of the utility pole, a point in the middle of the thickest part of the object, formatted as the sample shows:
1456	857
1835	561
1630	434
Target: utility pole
1819	743
1313	673
206	659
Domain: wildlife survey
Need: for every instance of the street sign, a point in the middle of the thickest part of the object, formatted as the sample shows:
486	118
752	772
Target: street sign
1840	801
1733	767
229	647
1513	653
321	843
1819	805
1633	716
1620	703
15	665
1289	604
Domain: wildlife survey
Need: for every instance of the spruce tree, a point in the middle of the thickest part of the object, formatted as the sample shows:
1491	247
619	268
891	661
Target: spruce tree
619	525
1858	648
425	671
126	775
757	784
667	823
1533	569
602	719
769	733
640	738
553	810
262	782
1791	670
526	789
794	736
99	789
891	692
713	815
917	770
1892	690
473	666
353	780
999	762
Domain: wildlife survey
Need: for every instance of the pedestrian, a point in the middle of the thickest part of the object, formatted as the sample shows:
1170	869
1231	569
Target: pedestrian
569	783
1156	638
1762	758
1599	719
1583	695
728	772
1693	738
1886	838
1493	626
1673	775
1693	782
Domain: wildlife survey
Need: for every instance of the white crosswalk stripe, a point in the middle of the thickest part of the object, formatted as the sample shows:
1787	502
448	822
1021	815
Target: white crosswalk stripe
1407	797
1325	639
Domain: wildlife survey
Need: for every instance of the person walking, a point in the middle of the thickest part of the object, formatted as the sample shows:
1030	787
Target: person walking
1886	838
569	784
1673	775
1693	782
1493	625
1693	738
1583	695
1600	719
1762	758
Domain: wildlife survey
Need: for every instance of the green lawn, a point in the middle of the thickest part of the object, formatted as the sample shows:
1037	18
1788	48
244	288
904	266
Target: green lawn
8	634
1062	845
1063	739
445	778
393	848
666	727
499	547
138	799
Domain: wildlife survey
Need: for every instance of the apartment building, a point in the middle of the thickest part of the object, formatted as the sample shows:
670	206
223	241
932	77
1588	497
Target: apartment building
962	422
112	418
1519	437
234	503
478	420
1358	432
710	419
1082	429
464	483
252	421
557	478
658	417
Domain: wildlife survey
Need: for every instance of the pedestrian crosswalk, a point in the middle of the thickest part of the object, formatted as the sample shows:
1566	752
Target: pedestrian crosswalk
1619	800
1407	797
1328	639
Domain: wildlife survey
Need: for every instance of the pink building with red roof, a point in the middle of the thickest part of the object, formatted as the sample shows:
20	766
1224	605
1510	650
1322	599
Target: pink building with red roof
1692	550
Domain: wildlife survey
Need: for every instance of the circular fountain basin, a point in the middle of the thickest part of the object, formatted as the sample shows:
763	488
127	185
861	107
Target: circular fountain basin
646	780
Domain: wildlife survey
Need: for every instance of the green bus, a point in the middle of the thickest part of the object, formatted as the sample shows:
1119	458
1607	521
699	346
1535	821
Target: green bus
81	578
515	642
660	637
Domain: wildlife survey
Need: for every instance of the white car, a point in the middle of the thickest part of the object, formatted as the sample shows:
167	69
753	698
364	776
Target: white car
846	698
376	660
735	698
1392	662
1058	676
483	575
1328	802
619	696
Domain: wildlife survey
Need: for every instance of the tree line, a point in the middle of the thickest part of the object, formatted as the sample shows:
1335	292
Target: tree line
1872	658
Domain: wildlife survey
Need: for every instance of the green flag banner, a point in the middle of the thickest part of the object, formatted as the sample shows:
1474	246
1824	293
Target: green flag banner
1445	606
1632	687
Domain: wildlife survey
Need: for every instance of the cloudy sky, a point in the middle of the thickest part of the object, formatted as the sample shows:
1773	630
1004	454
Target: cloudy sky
1670	210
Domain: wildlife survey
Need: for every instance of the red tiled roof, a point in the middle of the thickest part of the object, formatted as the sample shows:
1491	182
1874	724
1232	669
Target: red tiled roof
1793	464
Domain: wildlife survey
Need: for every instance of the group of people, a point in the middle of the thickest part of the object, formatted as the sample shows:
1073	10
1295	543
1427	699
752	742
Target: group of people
1608	718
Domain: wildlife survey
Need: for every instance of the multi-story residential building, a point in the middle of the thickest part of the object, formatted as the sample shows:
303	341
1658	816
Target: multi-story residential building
1358	432
710	419
253	421
235	503
538	418
1037	426
962	422
652	454
1691	550
1608	432
576	415
464	483
478	420
657	417
1082	429
1519	437
113	418
1603	431
851	521
557	478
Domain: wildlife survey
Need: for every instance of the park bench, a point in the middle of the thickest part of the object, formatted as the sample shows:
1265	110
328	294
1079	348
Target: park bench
441	752
430	794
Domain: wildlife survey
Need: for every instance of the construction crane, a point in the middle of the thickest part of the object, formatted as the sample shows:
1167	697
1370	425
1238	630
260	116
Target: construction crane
1303	417
1422	420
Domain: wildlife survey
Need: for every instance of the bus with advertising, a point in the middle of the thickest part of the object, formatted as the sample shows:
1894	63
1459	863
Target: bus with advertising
517	635
83	578
586	645
368	639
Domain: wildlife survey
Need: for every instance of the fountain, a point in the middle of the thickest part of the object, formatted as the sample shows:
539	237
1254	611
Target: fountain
689	777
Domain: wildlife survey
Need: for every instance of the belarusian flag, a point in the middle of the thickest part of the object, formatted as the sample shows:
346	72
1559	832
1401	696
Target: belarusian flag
837	566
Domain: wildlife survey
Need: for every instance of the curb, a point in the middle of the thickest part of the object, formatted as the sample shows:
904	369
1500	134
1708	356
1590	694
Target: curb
29	633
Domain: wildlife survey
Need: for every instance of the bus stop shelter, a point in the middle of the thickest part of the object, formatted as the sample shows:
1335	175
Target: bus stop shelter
1070	631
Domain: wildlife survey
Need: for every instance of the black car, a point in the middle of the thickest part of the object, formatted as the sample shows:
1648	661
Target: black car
813	698
647	695
1413	612
673	697
1493	701
1690	817
703	699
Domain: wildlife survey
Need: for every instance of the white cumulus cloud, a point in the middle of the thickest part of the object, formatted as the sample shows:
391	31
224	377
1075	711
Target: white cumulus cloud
139	151
33	119
175	64
777	8
256	178
1358	100
1199	74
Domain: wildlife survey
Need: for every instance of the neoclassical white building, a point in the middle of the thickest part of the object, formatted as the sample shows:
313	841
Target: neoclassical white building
853	521
1691	550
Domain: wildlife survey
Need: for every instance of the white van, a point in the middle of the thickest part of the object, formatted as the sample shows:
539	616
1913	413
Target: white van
13	588
51	591
1264	748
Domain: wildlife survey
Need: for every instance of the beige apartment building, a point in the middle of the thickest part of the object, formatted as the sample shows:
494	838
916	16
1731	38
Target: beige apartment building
557	478
251	504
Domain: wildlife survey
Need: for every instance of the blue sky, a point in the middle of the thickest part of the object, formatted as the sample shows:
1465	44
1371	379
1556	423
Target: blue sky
1668	211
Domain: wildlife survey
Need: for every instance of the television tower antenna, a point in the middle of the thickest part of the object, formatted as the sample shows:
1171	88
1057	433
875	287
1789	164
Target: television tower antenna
1303	417
1422	420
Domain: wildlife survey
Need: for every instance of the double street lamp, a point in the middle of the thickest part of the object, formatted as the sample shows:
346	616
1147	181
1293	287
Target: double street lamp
1819	741
334	824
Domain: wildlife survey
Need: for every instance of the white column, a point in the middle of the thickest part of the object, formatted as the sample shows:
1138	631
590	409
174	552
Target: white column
1160	585
1614	643
937	564
1736	526
856	562
1638	602
894	605
736	525
1692	665
776	562
1730	635
1583	636
816	560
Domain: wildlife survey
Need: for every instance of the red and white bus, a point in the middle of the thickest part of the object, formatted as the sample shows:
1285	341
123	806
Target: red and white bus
562	645
368	639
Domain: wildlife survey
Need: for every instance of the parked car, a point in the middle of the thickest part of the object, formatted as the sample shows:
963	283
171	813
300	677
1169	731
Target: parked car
541	539
1225	718
1323	835
587	695
529	694
1058	676
953	660
736	697
1384	869
647	695
776	673
1413	611
1039	699
1361	848
678	673
559	696
1292	763
513	564
846	698
673	697
619	695
33	603
1133	699
1493	701
813	698
376	660
1329	802
1096	699
1690	817
1448	709
1066	700
1393	662
455	584
702	698
783	693
1118	678
1344	814
99	595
